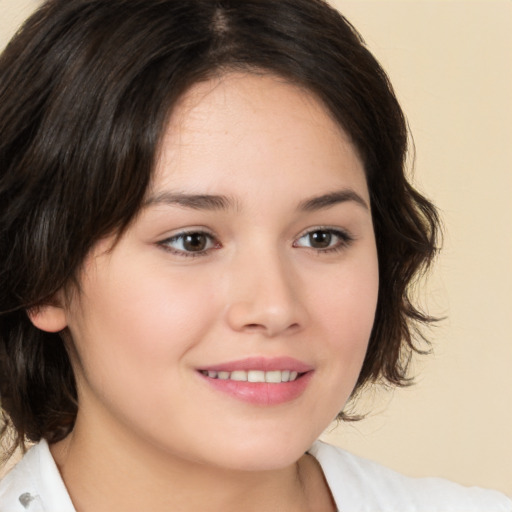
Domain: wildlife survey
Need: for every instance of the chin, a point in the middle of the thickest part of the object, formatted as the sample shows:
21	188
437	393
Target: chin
262	454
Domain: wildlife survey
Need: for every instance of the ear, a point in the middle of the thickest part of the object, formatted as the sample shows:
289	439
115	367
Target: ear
48	317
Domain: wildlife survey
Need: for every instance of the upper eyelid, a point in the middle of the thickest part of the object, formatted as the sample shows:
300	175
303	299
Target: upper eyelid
345	239
344	233
336	230
185	232
189	231
207	232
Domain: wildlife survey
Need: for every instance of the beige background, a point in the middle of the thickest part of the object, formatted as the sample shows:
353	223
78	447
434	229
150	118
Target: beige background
450	64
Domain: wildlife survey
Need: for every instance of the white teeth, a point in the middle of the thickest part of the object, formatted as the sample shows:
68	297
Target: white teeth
239	375
256	376
273	377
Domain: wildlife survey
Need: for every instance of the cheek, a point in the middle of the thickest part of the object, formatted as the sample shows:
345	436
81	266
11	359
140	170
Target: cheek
346	312
139	324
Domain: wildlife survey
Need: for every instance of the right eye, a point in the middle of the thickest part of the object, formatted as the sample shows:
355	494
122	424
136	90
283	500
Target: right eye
190	243
325	240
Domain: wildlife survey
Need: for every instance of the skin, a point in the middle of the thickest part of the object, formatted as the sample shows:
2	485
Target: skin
151	433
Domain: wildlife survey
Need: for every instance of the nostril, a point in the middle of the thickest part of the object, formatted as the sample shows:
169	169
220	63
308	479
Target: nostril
270	329
254	327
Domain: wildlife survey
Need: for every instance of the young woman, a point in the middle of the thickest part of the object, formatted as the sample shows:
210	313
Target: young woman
207	239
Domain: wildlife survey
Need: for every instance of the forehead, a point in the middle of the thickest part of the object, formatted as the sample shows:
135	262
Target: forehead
245	131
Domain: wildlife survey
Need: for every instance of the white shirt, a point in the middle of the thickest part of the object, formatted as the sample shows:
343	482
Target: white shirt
357	485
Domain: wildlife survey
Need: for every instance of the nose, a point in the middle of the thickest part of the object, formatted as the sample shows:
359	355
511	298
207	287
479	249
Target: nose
264	296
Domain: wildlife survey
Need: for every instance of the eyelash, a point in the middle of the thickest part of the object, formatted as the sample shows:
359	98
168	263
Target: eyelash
344	241
165	244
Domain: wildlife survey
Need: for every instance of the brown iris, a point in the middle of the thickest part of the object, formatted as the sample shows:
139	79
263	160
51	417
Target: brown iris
195	242
320	239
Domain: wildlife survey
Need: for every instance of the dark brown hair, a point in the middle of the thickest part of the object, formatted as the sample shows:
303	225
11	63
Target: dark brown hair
86	88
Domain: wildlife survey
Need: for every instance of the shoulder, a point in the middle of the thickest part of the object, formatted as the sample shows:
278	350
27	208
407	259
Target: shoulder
360	485
34	485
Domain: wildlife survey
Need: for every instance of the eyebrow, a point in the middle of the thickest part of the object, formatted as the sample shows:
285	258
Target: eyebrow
194	201
221	202
332	198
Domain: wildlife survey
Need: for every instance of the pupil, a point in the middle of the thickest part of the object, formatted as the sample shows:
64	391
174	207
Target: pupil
320	239
194	242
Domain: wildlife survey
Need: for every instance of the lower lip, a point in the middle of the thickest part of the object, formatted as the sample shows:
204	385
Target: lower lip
261	393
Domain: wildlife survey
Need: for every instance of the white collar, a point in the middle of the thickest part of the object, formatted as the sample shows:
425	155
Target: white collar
357	485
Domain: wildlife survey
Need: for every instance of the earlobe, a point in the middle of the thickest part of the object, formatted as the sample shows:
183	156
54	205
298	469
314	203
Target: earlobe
48	317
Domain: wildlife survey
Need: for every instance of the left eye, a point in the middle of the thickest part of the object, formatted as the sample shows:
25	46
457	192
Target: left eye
193	242
323	239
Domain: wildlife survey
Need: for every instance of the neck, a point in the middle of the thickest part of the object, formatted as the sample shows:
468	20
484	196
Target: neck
118	472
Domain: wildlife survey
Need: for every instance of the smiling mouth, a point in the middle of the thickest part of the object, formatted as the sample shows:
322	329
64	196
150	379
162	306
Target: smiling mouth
271	377
260	381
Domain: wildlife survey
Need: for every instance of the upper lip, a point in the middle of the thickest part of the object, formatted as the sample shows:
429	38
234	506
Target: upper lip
262	364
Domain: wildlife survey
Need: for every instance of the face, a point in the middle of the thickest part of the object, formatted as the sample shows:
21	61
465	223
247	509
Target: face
229	323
